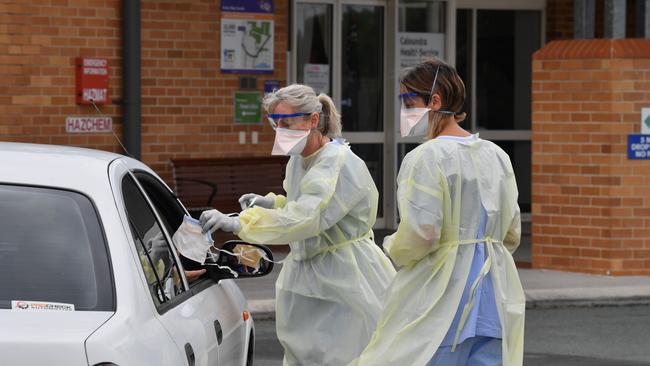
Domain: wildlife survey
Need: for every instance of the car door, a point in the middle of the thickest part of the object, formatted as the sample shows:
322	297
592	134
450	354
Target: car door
181	313
217	310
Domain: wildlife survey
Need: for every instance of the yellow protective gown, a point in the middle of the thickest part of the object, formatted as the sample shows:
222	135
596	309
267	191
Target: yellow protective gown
441	186
331	287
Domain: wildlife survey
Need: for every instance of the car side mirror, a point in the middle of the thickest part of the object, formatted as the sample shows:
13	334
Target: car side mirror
239	259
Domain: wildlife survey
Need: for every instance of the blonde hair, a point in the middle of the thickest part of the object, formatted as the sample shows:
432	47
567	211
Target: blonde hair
303	99
449	86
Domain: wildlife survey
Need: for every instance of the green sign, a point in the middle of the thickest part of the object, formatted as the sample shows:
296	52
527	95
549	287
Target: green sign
248	107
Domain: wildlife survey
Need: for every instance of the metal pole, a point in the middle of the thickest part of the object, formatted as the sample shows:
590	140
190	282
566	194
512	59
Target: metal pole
584	14
615	18
131	103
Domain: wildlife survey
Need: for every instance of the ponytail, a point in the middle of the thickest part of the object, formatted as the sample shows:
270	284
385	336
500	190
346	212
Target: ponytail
302	98
330	124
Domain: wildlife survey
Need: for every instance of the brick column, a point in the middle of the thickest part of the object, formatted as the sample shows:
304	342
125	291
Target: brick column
591	206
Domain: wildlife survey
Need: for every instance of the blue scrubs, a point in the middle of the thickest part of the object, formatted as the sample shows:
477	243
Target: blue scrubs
479	342
475	351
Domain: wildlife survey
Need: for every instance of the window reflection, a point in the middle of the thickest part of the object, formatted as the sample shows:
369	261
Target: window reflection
314	49
362	74
373	155
426	16
506	40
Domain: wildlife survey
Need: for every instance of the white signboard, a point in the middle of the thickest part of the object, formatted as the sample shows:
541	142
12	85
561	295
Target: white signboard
318	77
247	43
88	124
413	48
645	121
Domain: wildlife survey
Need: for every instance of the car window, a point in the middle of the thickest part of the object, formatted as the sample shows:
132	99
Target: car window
167	205
52	249
156	258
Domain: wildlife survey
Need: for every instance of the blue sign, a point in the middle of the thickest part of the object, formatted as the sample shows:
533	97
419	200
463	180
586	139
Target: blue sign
247	6
271	85
638	146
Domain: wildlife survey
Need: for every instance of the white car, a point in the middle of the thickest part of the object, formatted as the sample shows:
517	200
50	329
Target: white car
81	282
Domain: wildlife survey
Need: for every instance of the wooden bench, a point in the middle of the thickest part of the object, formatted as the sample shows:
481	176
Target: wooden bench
207	183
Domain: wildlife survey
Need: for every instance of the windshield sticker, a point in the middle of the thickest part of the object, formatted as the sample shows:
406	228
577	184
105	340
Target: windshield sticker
20	305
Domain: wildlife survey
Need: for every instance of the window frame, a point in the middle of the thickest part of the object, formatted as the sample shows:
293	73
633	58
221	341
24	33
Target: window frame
187	293
204	281
513	136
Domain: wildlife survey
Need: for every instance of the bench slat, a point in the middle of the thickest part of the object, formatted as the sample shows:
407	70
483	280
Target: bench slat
232	176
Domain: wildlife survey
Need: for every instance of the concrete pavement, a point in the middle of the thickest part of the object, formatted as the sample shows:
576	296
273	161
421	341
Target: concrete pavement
543	288
546	288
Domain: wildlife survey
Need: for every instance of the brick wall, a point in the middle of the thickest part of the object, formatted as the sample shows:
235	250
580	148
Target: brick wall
38	44
187	103
590	204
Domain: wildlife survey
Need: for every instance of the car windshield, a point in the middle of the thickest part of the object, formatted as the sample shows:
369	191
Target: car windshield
52	250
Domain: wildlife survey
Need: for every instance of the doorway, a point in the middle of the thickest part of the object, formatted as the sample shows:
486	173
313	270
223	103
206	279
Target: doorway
340	50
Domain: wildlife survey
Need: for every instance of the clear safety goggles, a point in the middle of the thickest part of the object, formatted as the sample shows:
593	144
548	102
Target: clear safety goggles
283	120
409	101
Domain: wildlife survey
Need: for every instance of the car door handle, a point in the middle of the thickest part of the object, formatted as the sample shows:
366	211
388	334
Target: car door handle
189	352
218	331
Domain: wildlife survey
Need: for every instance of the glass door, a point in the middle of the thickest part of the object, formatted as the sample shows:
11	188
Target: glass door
340	50
314	35
362	86
495	43
418	20
494	57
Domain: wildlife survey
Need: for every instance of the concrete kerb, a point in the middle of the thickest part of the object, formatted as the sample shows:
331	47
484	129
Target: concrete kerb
262	309
588	297
542	288
556	304
535	299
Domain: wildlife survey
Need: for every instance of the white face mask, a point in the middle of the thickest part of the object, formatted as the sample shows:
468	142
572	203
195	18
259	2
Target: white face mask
289	142
190	240
414	122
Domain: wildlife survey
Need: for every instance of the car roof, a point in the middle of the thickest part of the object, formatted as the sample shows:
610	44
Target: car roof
33	150
55	166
